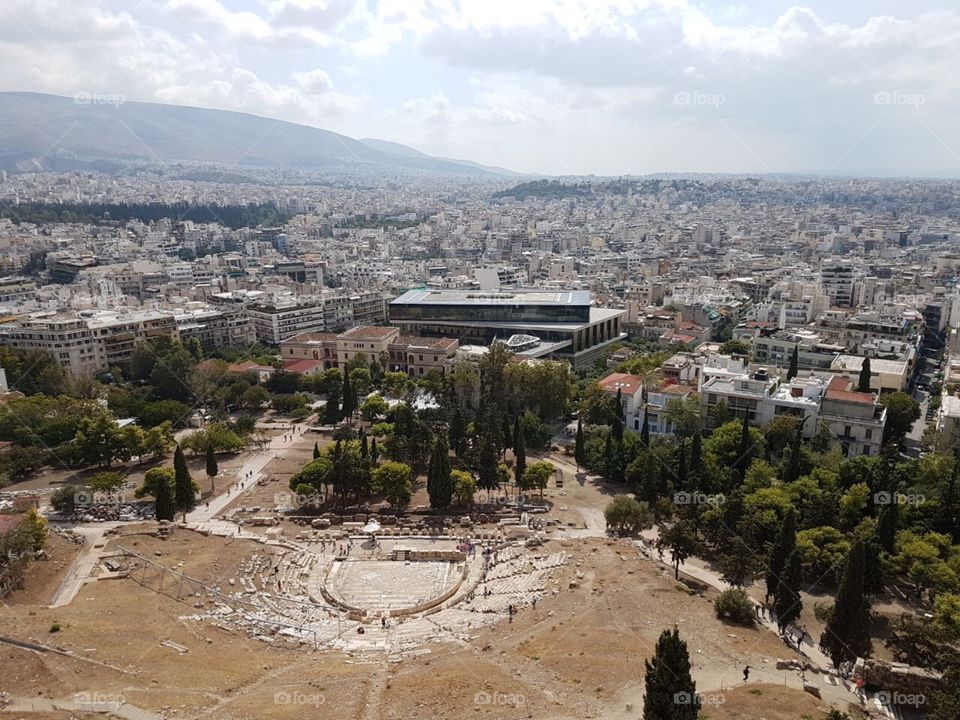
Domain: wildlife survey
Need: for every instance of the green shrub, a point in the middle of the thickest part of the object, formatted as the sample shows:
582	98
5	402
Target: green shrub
735	606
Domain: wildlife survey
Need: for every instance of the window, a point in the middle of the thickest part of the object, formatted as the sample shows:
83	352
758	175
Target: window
868	434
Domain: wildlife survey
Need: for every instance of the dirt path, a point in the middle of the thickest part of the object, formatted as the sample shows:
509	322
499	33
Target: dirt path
83	702
84	564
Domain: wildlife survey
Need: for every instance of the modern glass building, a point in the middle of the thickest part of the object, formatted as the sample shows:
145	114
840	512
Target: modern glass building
566	323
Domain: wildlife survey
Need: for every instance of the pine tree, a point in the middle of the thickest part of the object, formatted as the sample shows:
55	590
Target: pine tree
669	690
578	448
349	398
645	431
863	382
439	484
184	493
794	368
316	451
785	543
165	507
786	600
847	635
520	453
212	468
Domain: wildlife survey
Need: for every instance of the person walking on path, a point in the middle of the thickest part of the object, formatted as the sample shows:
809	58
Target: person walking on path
746	673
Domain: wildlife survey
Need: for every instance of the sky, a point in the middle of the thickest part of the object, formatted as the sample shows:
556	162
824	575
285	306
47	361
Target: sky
558	87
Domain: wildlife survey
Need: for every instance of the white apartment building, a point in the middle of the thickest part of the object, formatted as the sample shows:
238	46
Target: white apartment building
219	326
630	388
88	341
855	419
275	322
744	395
838	277
777	349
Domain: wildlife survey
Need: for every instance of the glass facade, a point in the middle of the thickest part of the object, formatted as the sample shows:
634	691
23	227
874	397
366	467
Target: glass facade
500	312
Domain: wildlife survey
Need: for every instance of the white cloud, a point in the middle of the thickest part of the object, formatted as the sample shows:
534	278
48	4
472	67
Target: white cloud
547	84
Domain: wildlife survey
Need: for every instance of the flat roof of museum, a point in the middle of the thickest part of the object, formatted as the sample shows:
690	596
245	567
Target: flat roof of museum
424	296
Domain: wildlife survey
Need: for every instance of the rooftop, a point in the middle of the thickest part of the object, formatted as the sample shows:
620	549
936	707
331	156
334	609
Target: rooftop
371	332
853	363
424	296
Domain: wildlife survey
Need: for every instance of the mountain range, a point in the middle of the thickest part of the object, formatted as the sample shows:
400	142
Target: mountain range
50	132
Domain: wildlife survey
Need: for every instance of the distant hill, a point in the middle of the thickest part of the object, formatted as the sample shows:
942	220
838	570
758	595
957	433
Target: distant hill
406	151
50	132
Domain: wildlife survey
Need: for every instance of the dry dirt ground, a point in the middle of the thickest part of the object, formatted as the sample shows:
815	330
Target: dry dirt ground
579	654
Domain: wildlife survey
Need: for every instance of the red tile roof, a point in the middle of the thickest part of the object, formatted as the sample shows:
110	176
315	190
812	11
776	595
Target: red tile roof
840	389
625	382
301	366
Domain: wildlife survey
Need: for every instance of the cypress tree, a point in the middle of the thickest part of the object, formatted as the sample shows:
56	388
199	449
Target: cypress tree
696	460
458	432
682	465
316	451
792	471
374	452
785	543
863	382
349	398
439	486
578	448
616	429
184	494
948	521
887	527
212	468
786	601
743	454
794	368
618	413
364	445
331	412
488	473
509	437
847	635
669	690
608	460
520	453
645	431
165	506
